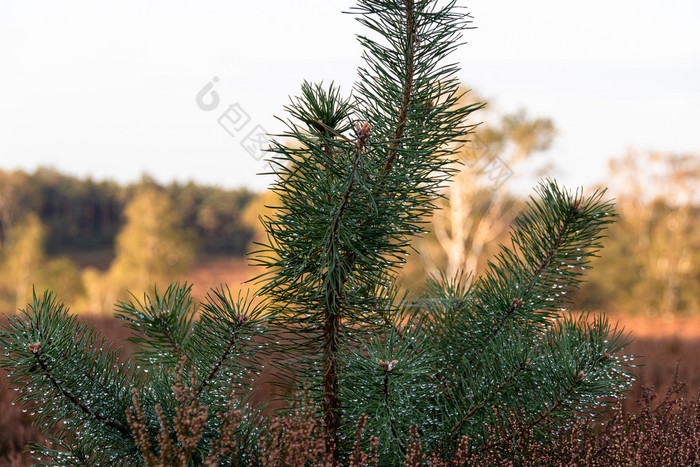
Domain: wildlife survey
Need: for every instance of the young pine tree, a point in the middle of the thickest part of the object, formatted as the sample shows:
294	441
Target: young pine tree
471	365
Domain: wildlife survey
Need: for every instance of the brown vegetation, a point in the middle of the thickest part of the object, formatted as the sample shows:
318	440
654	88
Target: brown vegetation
661	344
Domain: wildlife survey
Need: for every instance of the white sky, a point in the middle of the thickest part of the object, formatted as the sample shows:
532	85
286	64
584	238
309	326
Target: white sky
108	88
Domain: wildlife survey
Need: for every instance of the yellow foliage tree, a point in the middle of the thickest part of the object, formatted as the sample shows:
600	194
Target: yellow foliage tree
654	262
22	256
261	206
152	247
15	191
478	209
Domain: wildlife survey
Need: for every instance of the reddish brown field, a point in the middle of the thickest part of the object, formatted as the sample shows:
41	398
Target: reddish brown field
662	344
212	271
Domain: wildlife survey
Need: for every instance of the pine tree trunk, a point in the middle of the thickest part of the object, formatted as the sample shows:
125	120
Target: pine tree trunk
331	399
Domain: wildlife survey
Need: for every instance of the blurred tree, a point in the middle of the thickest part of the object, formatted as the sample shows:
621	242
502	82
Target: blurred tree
215	215
79	214
654	263
25	265
152	247
188	199
61	274
22	258
83	215
260	207
100	292
478	208
16	198
219	220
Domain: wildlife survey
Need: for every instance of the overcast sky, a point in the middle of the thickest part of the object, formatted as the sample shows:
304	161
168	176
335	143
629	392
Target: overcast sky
109	89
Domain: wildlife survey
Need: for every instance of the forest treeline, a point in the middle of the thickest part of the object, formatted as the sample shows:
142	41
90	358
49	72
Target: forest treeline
152	233
86	215
91	242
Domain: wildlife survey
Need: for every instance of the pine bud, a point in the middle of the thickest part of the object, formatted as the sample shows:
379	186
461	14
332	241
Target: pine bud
35	348
364	131
387	365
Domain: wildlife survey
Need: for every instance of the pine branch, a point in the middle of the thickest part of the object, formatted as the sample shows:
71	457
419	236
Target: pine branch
63	367
391	377
550	247
333	315
162	324
487	329
233	330
557	404
73	399
494	392
385	400
407	95
354	187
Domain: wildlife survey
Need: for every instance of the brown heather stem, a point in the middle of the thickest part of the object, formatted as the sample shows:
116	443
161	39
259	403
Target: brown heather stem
137	421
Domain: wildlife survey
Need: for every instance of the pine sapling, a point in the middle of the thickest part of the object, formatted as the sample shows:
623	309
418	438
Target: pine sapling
461	373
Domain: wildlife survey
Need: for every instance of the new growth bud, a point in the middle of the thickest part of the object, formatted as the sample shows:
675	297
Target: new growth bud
576	206
387	365
364	131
